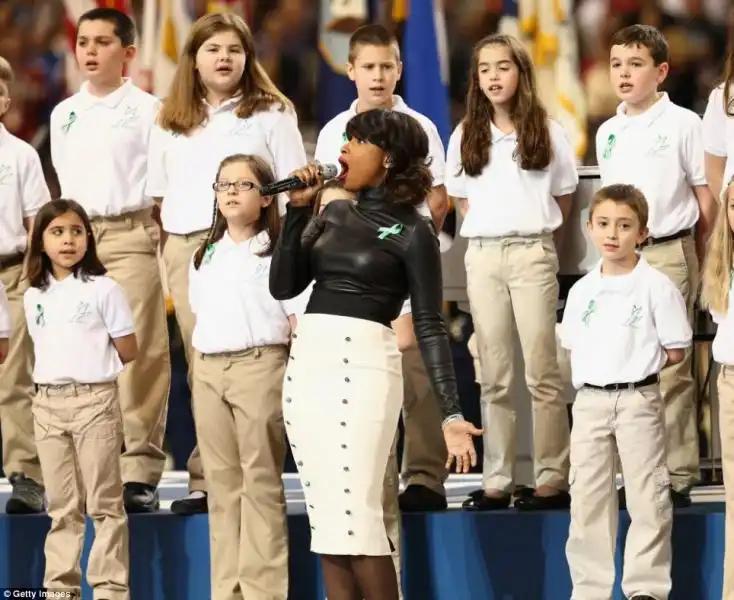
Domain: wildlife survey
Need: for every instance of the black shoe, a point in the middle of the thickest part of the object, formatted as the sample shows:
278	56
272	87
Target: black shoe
559	501
679	500
194	504
140	498
478	501
622	498
27	497
419	498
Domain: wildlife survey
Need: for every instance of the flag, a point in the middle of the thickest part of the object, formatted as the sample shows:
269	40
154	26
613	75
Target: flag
426	64
337	21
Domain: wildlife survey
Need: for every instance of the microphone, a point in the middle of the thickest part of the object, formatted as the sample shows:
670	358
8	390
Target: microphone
327	171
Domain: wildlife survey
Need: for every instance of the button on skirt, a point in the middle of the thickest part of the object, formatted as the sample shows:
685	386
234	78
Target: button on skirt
342	396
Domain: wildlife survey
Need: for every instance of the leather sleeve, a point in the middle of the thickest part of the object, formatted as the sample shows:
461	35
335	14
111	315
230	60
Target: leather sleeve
290	269
423	267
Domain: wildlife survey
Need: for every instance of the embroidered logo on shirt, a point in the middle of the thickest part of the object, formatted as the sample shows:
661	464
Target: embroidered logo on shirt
40	318
261	270
70	120
590	310
611	141
129	119
660	145
208	253
241	127
6	173
83	310
385	232
635	316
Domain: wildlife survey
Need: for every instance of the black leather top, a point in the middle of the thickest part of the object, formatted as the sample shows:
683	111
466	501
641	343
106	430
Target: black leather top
366	258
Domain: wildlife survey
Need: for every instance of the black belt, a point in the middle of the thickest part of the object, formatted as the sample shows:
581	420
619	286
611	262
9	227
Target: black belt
618	387
11	260
667	238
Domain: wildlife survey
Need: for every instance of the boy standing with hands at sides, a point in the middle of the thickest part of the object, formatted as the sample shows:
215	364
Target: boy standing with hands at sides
99	148
657	146
374	66
619	409
23	191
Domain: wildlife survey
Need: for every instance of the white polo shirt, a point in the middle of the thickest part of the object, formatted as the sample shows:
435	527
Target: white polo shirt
718	131
6	325
230	296
506	200
617	327
723	346
99	148
333	136
23	191
661	153
72	324
182	168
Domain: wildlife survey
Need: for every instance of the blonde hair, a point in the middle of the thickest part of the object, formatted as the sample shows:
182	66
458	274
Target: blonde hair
6	72
717	267
183	110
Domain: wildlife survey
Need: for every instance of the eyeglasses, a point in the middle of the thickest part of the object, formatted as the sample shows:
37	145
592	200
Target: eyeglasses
239	186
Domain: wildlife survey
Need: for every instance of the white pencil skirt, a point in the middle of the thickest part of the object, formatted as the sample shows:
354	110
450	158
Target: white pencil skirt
342	397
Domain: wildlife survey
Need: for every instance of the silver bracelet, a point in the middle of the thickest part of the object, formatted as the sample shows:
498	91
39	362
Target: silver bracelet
451	419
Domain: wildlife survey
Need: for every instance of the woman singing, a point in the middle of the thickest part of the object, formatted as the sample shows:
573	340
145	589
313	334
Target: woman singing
343	389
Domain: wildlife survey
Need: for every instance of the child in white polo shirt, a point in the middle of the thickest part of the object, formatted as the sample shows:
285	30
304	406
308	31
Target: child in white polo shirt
622	323
718	298
23	191
241	340
221	102
718	130
99	148
82	331
5	324
511	171
656	146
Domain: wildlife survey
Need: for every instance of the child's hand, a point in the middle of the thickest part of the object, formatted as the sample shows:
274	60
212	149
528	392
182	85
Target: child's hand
4	349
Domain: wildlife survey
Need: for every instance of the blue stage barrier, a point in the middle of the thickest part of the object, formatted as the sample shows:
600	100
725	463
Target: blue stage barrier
447	556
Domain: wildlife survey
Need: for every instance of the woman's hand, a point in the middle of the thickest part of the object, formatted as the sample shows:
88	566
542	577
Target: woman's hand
311	176
458	436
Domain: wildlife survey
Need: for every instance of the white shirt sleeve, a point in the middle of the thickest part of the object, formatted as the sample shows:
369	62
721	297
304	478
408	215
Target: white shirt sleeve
564	175
297	306
321	154
115	311
568	331
436	155
157	182
670	315
692	152
406	309
455	178
6	326
34	191
714	124
286	147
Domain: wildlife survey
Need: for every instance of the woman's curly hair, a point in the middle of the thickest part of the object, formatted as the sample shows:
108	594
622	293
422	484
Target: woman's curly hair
405	142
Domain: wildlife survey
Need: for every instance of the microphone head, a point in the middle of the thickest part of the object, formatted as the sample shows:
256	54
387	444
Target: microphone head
329	171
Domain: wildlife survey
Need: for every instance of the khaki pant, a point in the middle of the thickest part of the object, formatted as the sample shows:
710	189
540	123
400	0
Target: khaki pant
177	254
630	423
677	259
510	280
239	425
16	386
78	431
725	388
128	248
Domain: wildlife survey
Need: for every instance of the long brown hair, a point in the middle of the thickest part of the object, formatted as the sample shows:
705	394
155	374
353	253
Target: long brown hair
269	216
183	110
38	266
534	149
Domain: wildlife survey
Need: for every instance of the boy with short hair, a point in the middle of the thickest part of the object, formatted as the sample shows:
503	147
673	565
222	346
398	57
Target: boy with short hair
374	66
642	319
657	146
23	191
99	148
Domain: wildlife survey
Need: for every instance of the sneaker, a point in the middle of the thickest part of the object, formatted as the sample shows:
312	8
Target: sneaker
27	497
193	504
140	498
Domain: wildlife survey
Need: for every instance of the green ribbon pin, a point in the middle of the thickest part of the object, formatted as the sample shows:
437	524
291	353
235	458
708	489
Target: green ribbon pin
71	119
208	253
611	140
385	232
40	318
590	310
